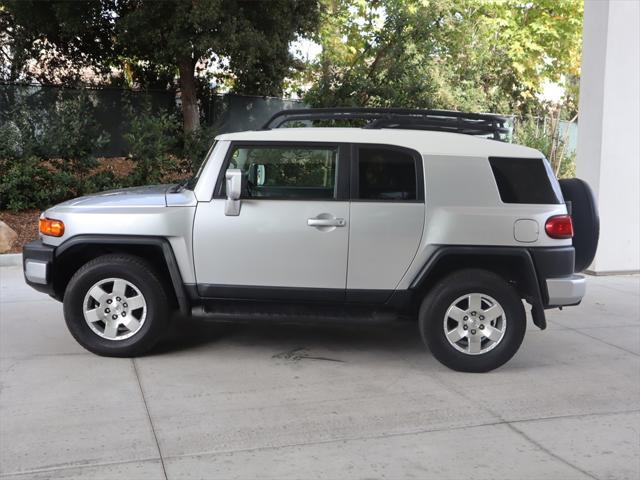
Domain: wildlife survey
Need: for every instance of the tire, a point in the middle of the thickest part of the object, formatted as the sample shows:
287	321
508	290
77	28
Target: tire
586	222
97	288
450	298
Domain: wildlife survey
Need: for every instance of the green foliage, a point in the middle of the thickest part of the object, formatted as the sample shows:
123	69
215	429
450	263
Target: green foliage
549	140
152	138
62	36
46	157
154	43
196	145
25	184
70	139
475	55
253	36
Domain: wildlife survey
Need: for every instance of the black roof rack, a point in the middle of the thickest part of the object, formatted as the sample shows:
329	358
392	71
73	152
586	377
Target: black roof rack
405	118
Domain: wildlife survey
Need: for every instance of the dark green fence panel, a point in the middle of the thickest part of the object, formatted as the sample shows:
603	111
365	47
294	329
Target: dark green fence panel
226	113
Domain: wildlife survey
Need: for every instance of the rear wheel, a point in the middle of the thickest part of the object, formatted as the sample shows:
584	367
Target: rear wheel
472	321
116	305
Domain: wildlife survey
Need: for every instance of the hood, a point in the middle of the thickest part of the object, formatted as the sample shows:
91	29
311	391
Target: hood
147	196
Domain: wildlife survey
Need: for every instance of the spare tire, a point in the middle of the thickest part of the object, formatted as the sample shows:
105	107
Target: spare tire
586	222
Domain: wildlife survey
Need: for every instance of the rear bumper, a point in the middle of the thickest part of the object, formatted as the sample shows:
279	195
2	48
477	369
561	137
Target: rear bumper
566	290
37	259
559	285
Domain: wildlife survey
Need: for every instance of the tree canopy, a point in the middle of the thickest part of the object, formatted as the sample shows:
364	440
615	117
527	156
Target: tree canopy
247	41
478	55
475	55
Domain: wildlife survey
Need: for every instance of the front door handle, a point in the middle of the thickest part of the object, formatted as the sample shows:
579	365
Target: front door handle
326	222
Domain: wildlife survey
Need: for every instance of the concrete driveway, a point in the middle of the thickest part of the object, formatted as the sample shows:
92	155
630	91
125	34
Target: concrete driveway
256	400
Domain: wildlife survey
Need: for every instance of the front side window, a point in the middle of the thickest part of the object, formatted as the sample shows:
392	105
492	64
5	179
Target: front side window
386	174
287	172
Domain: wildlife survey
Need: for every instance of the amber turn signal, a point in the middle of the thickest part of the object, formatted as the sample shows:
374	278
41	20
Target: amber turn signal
51	227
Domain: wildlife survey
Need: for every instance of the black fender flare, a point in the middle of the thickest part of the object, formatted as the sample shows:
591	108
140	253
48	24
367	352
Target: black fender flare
530	287
138	240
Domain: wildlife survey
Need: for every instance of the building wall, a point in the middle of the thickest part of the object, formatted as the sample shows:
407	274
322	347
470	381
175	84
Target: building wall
609	139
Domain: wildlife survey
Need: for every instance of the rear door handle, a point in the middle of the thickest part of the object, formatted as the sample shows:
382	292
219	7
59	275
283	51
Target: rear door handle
326	222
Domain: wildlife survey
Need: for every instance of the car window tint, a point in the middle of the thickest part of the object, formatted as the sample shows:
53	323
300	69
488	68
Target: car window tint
386	174
525	180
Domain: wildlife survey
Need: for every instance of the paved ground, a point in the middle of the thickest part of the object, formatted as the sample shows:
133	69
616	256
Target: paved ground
289	401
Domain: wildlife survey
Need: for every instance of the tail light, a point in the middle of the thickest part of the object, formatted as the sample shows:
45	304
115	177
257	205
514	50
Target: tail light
51	227
559	226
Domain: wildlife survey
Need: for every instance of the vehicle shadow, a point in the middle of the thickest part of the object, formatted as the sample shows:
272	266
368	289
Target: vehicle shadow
378	336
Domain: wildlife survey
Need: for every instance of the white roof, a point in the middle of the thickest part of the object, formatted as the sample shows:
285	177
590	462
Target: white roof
425	142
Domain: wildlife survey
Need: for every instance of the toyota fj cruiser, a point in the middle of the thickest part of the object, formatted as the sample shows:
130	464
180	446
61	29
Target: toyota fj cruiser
410	212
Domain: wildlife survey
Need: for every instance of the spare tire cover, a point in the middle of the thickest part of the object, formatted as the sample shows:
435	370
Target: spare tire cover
586	222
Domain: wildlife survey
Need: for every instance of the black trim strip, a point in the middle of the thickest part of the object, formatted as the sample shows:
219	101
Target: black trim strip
368	296
289	294
264	293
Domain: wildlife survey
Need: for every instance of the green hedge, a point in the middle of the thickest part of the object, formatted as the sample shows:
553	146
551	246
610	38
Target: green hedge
47	157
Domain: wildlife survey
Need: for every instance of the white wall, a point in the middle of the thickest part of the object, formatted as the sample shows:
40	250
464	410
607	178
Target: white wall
609	135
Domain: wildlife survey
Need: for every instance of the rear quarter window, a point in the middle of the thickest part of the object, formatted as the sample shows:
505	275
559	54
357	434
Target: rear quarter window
525	180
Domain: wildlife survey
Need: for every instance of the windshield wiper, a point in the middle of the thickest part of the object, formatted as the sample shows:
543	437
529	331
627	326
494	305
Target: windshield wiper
179	186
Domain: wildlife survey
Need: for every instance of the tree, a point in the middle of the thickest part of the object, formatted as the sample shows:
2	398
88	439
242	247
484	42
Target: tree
482	55
248	41
61	37
253	37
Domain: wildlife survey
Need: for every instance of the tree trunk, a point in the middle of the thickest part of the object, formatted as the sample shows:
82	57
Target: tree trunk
190	111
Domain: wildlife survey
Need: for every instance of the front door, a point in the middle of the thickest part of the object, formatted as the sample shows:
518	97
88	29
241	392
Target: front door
290	240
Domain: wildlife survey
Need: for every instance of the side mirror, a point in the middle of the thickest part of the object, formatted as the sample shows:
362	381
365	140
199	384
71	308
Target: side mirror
257	174
233	178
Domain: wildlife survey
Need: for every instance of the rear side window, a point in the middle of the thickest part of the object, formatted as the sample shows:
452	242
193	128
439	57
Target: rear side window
524	180
386	174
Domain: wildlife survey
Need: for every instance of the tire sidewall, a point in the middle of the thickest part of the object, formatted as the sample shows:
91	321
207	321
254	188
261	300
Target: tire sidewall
149	287
432	315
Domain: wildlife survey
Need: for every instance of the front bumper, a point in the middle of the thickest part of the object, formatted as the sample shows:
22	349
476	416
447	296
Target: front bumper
37	260
566	290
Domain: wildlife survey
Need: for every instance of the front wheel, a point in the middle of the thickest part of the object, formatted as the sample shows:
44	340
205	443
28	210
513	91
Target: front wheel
472	321
117	306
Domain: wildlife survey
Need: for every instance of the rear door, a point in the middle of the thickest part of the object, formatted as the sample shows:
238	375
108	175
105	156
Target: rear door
387	219
290	240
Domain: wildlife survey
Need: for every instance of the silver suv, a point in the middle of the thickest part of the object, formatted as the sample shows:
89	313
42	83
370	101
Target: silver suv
410	212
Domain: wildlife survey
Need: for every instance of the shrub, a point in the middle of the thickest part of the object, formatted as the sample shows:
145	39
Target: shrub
25	184
152	139
196	145
46	156
550	142
70	139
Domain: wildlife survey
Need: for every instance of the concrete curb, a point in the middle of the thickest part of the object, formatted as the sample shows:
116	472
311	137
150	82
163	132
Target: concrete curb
10	259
